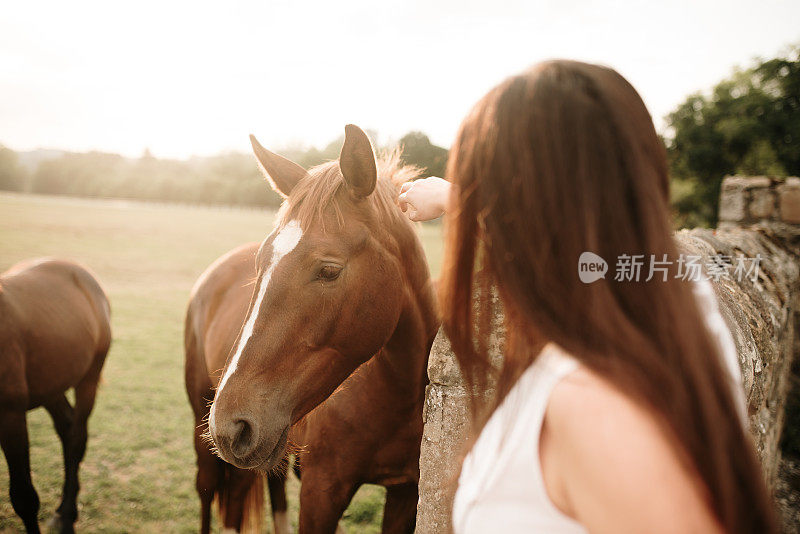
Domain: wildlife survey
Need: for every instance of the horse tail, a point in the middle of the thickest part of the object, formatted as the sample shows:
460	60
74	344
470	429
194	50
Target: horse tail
253	513
232	485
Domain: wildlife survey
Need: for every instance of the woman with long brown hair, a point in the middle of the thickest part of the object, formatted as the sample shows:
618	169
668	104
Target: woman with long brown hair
619	405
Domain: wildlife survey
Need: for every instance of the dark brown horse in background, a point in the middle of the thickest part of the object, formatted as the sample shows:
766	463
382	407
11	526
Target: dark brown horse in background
335	316
54	335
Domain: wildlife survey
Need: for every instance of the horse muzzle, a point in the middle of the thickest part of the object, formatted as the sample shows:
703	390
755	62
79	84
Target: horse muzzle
246	444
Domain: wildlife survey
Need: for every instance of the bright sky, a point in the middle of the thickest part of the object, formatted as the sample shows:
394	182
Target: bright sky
186	78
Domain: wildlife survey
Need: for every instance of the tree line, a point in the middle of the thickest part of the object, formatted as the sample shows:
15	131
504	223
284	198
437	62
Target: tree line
231	178
749	123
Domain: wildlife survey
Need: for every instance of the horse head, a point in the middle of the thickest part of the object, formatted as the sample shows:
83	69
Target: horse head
331	285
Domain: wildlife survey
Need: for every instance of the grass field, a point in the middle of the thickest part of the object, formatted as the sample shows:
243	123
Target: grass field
138	475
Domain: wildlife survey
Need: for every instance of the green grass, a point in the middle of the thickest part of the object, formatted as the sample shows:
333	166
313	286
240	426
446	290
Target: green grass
138	475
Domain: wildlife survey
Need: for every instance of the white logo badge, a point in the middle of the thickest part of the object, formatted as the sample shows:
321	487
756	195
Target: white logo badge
591	267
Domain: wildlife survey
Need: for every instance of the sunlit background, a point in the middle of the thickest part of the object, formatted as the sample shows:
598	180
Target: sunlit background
124	146
194	78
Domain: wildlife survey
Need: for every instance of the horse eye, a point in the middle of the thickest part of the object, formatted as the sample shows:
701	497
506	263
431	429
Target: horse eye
329	272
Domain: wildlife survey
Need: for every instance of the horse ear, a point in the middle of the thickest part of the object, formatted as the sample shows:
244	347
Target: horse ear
357	162
282	174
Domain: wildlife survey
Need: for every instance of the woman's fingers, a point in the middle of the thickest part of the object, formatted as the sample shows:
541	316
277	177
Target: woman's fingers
423	199
402	201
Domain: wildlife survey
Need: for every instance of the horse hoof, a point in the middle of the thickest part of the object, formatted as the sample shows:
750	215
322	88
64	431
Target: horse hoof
55	524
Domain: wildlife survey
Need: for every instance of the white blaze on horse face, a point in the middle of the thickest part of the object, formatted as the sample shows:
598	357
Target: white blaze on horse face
285	242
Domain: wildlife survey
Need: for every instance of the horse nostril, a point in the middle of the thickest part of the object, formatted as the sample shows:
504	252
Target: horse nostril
243	439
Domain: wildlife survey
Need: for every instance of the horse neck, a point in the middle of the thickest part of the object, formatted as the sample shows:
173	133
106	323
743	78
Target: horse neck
403	360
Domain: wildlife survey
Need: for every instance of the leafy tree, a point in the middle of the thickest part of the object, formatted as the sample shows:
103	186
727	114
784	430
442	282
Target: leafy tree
749	124
12	175
418	150
91	174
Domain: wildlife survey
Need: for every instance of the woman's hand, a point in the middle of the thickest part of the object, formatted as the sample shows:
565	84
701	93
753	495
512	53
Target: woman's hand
424	199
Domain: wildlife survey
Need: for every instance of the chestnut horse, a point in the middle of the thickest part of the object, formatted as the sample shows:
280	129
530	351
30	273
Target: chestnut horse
54	335
334	331
217	309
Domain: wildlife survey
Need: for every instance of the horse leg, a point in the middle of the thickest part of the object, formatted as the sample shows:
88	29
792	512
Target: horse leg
276	482
63	415
209	469
85	393
323	500
14	442
400	510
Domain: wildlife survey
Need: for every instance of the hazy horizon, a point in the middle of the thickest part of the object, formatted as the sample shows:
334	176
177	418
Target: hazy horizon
182	79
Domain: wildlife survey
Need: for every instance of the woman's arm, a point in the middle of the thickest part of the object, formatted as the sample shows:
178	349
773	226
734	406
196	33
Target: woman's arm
607	463
425	199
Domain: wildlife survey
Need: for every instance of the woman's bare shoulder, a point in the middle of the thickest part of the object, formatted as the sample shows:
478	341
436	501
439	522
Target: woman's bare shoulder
616	463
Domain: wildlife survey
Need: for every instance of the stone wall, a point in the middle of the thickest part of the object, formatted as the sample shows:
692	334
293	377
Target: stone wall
755	199
759	217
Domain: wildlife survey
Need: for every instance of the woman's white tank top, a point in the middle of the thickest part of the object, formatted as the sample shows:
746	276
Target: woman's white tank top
501	484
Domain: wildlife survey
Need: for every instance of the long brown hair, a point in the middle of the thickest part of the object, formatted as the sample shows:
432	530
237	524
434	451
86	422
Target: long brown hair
554	162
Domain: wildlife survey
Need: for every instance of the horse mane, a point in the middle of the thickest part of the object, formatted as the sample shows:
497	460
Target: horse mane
324	187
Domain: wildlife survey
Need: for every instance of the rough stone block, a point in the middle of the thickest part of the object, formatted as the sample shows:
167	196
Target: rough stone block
757	182
790	200
762	203
732	204
442	366
443	441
